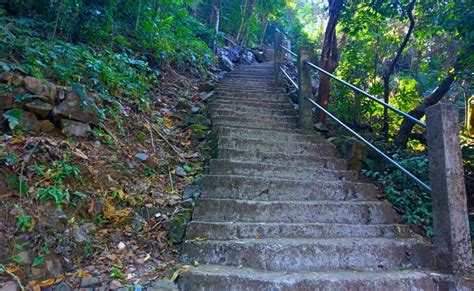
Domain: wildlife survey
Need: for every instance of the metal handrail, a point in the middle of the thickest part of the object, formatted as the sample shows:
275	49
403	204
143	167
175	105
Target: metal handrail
289	51
358	136
373	98
289	78
377	150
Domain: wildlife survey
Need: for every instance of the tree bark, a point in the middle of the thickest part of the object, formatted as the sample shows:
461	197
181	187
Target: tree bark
249	22
216	32
242	19
407	125
139	13
389	69
329	56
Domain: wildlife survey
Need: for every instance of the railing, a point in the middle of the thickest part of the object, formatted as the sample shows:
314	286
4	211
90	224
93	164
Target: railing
451	225
358	136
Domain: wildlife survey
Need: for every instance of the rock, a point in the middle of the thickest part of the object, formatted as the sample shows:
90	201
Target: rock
27	121
198	119
176	226
46	126
142	157
24	258
40	108
6	101
206	87
59	214
121	245
75	128
321	127
138	222
354	151
225	64
63	286
183	105
188	203
198	132
9	286
38	272
114	285
41	88
12	78
89	227
259	56
195	109
191	191
162	285
54	267
90	282
78	108
180	172
81	235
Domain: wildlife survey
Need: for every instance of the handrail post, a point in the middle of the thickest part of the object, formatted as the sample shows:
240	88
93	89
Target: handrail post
278	58
305	89
450	215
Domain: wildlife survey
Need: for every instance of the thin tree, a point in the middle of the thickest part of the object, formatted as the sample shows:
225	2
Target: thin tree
419	111
389	68
329	55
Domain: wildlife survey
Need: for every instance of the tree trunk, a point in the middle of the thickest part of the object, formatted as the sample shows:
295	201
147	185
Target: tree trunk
242	19
137	23
264	31
249	22
216	33
389	69
407	125
329	56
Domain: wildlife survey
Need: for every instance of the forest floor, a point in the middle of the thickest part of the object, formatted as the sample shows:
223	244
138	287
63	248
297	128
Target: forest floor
111	207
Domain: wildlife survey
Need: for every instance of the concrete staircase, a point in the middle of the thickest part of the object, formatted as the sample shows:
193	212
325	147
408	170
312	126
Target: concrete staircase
280	211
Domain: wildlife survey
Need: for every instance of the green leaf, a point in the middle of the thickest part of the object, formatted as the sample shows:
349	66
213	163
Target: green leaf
38	261
13	117
114	272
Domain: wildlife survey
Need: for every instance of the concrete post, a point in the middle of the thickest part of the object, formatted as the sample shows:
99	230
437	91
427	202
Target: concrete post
278	58
451	224
304	83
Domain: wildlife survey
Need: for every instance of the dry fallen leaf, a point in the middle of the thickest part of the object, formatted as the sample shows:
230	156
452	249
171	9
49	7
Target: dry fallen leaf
180	271
83	274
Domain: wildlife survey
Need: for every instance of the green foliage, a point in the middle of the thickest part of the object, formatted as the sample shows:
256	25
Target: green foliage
37	261
13	117
52	180
162	29
116	273
24	222
408	198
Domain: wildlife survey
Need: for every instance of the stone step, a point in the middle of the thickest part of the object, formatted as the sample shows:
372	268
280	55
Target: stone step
254	76
245	89
347	212
226	167
283	105
291	148
250	84
268	135
249	87
238	128
253	110
217	114
255	98
331	163
312	254
277	189
245	230
218	278
252	123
